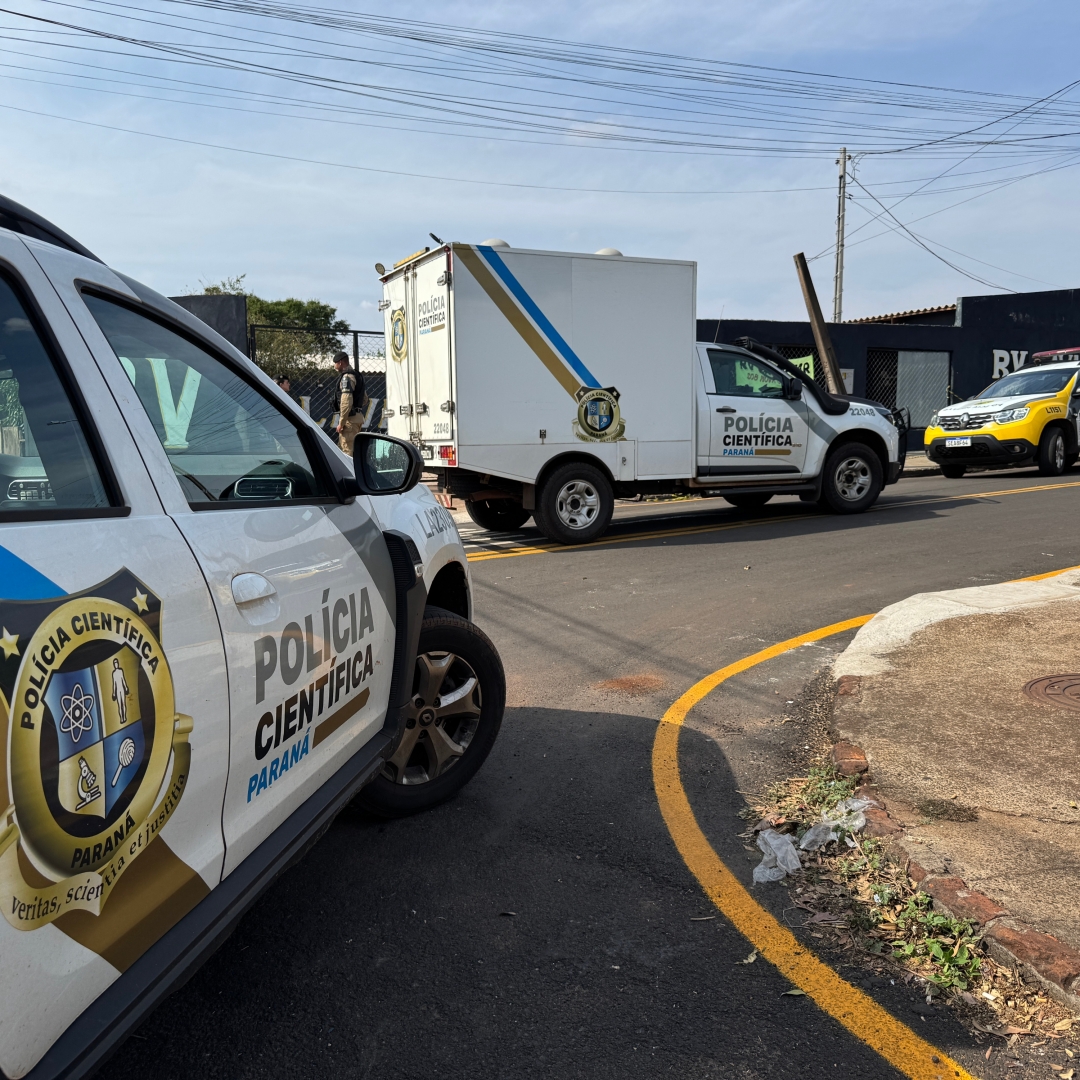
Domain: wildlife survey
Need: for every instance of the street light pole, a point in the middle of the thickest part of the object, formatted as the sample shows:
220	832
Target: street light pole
838	275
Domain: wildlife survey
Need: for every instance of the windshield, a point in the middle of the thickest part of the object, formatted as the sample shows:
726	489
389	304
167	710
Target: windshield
1025	383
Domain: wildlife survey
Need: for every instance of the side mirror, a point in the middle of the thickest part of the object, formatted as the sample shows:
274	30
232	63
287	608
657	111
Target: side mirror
792	389
385	466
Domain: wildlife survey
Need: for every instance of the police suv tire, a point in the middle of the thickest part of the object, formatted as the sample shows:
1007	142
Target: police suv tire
749	501
443	633
852	479
498	515
1052	454
953	472
575	504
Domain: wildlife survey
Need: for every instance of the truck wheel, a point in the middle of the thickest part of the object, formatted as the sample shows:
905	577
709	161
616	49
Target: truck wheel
748	501
451	720
575	504
953	472
498	515
1052	452
851	480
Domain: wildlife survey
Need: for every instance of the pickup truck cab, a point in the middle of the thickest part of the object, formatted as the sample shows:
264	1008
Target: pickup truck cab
1028	417
215	631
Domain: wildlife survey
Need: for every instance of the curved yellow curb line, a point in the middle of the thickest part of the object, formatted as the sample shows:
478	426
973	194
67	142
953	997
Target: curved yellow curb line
859	1013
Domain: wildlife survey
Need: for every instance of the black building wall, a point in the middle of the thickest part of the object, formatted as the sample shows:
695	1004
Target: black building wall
224	313
991	335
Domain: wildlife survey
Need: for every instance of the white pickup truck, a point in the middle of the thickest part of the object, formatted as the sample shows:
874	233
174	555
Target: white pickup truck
486	344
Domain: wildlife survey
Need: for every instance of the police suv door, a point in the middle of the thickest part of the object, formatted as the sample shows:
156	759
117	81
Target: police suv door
301	581
755	432
113	695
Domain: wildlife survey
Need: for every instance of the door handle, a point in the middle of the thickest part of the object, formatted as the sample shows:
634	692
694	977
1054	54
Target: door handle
249	588
726	408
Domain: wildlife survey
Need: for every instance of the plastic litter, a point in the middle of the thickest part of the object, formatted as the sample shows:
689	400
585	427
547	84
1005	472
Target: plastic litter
780	854
846	817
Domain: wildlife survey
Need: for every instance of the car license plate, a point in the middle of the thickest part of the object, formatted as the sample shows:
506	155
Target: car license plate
958	442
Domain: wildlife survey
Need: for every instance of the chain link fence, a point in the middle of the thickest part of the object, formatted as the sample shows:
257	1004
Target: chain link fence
918	381
315	385
799	352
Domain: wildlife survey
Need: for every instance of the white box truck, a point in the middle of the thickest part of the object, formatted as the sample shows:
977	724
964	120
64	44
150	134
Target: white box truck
548	384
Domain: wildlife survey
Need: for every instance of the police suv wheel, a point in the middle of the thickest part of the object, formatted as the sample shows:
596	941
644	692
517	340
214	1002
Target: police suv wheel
852	479
1052	453
748	501
498	515
575	504
451	719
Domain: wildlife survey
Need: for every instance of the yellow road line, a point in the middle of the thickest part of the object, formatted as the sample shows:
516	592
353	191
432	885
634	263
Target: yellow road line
693	530
858	1012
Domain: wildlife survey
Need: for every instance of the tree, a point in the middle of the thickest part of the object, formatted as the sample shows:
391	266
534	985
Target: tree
288	351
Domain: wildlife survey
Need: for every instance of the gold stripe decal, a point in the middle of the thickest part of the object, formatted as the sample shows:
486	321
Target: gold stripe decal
517	319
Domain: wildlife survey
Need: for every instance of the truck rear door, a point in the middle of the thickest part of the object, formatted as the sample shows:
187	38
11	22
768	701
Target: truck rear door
434	391
399	349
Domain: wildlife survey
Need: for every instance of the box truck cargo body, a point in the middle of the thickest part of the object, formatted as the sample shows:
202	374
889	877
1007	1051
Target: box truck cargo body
546	384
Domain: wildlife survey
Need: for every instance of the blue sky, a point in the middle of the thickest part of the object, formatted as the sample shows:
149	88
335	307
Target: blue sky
175	214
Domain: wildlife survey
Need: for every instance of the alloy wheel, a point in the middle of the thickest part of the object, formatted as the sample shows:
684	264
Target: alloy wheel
441	719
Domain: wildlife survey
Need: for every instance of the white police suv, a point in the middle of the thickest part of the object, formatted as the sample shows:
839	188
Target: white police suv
215	631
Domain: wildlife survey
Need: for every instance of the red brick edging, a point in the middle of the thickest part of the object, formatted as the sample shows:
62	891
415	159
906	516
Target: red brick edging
1051	962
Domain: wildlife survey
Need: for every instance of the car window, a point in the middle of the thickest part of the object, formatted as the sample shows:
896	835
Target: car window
741	376
227	444
45	460
1030	382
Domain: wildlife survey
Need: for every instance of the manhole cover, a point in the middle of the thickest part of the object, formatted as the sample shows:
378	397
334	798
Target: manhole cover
1060	690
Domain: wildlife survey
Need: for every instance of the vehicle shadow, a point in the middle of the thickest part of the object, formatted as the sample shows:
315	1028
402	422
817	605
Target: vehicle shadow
541	923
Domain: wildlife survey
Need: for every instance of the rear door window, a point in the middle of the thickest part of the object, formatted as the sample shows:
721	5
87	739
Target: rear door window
45	459
227	444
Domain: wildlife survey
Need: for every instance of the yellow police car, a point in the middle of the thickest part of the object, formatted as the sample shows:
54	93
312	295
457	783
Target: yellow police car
216	630
1028	417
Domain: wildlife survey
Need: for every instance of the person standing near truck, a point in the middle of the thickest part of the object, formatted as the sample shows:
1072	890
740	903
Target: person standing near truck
349	401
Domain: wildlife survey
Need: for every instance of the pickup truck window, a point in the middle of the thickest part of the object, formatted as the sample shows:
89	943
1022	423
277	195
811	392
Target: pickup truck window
228	445
742	376
45	461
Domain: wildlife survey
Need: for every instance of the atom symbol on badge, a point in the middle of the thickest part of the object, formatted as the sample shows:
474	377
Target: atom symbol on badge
77	716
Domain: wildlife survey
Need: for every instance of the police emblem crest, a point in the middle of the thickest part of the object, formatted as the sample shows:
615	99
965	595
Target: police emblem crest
86	698
598	417
399	338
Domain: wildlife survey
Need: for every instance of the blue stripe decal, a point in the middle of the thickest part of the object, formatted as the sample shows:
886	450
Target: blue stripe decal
20	581
494	260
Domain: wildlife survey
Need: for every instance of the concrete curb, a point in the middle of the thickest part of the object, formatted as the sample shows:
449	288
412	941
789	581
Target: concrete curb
1040	957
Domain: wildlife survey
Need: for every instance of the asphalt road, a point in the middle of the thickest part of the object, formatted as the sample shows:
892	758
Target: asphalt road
542	923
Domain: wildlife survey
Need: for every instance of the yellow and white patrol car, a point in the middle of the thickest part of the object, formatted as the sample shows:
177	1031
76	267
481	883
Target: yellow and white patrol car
1028	417
216	630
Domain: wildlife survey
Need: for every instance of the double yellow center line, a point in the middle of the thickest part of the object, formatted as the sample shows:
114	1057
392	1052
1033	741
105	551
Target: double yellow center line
694	530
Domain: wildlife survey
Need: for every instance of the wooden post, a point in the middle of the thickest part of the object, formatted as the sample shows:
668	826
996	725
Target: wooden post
821	333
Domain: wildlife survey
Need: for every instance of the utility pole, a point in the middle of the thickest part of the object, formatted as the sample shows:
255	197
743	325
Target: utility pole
838	275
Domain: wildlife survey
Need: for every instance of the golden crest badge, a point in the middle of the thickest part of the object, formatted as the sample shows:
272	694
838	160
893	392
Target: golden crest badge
598	415
399	338
87	707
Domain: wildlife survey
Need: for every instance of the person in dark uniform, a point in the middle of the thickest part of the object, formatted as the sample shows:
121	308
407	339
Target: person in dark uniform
349	401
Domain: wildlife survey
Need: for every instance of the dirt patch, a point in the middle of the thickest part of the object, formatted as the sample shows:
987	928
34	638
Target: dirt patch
634	685
947	810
